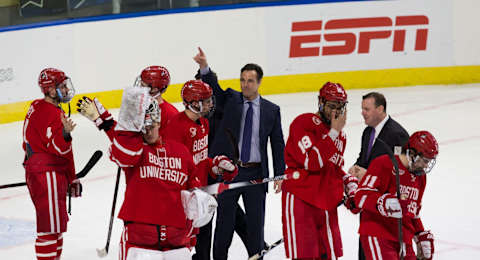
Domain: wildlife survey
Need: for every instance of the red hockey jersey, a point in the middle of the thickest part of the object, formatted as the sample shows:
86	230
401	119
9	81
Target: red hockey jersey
155	176
168	111
380	179
43	140
194	135
310	148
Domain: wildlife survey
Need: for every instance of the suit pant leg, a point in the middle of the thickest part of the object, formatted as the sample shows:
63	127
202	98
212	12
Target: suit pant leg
227	206
241	225
361	254
254	201
204	243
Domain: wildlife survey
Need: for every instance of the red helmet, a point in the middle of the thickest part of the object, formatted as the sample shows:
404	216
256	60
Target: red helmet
196	90
156	76
50	77
333	92
424	144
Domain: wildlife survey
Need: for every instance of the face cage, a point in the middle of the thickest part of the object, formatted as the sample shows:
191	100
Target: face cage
152	115
321	108
416	158
200	109
70	91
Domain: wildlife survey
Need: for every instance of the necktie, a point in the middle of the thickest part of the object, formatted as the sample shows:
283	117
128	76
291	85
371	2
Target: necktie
247	134
370	142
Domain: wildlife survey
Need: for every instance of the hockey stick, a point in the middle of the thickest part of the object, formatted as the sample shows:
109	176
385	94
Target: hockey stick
266	250
397	180
104	251
218	188
91	162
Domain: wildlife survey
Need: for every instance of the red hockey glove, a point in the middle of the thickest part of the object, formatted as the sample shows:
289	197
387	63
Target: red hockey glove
425	246
350	185
389	206
224	167
75	188
349	203
93	110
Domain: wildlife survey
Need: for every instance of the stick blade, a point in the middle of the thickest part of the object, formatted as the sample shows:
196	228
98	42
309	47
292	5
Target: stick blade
102	252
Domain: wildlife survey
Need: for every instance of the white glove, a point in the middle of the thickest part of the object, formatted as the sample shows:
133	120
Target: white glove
199	206
389	206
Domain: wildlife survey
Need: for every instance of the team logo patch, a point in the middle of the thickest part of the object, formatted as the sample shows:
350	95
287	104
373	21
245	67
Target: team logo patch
316	120
400	171
193	131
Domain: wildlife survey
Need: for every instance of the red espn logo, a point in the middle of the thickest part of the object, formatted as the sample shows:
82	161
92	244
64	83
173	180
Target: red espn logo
350	38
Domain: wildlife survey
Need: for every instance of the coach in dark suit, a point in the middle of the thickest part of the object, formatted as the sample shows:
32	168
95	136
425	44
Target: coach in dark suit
252	120
379	125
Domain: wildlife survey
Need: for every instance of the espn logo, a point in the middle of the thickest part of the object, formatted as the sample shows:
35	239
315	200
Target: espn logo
349	31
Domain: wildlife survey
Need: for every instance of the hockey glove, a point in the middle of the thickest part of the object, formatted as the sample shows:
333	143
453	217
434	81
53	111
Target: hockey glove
389	206
224	167
425	246
75	188
95	111
350	184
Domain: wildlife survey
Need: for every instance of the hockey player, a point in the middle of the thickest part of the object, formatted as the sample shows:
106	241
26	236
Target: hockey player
49	166
376	197
191	128
157	78
315	148
158	173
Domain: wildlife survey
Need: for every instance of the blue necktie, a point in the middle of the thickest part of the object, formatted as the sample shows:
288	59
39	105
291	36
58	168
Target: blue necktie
370	142
247	134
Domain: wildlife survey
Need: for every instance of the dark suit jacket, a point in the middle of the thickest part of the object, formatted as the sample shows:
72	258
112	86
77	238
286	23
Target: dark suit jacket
228	115
392	133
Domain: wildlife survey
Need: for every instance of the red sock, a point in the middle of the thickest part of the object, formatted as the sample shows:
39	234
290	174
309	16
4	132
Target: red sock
59	246
46	246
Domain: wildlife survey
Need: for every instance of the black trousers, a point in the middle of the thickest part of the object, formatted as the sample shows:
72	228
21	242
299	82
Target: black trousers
361	254
254	202
204	237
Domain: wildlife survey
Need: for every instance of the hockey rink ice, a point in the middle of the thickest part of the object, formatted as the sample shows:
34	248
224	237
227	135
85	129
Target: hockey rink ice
450	204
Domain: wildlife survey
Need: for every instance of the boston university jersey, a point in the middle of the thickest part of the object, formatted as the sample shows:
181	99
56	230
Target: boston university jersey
155	176
380	179
194	135
310	148
168	111
43	141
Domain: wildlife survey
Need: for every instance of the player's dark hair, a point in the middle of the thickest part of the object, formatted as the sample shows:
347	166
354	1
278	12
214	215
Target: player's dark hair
256	68
379	99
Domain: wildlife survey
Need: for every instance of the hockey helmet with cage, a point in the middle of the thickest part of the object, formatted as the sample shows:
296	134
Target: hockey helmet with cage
51	77
333	92
196	90
422	145
156	77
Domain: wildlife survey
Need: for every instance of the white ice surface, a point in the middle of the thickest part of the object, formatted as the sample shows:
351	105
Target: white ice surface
450	205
